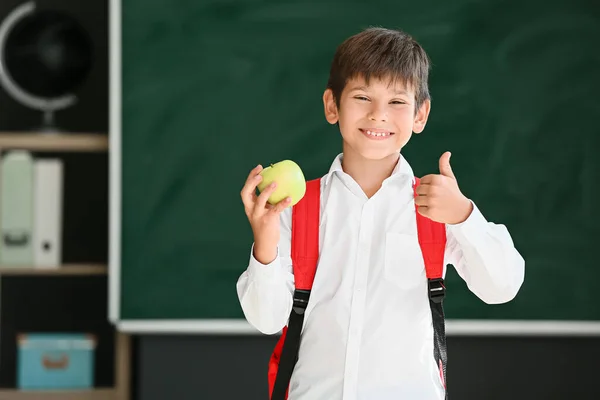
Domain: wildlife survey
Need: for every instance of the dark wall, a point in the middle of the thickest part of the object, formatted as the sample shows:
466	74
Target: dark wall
234	367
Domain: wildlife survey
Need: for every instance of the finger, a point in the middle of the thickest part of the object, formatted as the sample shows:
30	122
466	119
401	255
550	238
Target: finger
422	201
423	190
249	196
428	179
261	201
445	168
424	211
248	192
282	205
256	170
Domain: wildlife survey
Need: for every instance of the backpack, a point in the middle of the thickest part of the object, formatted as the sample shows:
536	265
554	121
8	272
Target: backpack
305	255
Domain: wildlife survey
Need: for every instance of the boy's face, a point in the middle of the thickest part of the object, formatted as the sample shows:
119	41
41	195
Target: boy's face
378	119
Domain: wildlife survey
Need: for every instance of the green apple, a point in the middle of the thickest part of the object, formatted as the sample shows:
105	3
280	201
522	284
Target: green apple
290	181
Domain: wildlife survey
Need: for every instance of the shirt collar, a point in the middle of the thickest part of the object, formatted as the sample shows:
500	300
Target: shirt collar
402	168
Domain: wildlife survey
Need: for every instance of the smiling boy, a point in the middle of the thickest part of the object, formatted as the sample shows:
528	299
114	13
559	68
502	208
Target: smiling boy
368	331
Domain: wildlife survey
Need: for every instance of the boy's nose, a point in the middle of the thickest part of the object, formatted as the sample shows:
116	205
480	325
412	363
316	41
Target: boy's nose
377	114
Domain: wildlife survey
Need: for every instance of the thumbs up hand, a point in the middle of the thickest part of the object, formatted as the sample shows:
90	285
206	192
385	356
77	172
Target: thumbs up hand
445	168
439	198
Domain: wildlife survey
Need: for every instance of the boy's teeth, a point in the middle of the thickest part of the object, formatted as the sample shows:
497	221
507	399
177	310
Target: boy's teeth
378	133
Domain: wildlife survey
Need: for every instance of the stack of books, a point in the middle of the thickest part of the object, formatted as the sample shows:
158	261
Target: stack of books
31	198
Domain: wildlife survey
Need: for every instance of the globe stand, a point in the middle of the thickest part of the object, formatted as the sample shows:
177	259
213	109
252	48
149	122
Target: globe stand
49	123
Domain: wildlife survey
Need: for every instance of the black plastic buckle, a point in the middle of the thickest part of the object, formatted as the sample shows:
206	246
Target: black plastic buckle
437	290
300	300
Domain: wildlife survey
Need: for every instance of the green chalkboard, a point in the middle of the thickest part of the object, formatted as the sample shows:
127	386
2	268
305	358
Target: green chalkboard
212	88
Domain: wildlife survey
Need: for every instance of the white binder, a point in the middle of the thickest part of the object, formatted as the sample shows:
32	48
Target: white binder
16	209
47	232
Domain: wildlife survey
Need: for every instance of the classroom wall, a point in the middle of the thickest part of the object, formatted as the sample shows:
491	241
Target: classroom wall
234	367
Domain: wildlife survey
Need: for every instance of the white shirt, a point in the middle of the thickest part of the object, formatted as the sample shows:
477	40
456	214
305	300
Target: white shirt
367	332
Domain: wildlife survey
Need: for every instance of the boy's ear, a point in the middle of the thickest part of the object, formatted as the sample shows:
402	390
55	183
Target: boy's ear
421	117
331	111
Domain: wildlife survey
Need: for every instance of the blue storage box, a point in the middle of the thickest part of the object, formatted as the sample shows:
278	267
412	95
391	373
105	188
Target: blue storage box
55	361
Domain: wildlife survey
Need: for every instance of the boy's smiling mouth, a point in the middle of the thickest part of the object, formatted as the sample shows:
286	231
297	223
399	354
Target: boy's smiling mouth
376	134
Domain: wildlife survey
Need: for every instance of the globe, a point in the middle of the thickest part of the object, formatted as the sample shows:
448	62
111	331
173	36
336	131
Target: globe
48	54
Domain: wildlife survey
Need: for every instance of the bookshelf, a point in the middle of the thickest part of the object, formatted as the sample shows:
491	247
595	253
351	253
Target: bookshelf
58	142
66	270
99	394
67	143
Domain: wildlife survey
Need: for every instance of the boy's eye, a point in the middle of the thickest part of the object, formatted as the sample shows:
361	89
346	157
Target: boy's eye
361	98
397	102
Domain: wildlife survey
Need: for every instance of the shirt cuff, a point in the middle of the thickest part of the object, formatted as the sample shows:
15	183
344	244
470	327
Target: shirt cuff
257	270
471	228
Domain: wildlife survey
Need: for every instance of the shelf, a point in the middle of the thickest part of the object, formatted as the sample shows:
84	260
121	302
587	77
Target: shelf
97	394
67	269
57	142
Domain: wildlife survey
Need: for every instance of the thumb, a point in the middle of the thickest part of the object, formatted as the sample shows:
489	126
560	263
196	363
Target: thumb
445	168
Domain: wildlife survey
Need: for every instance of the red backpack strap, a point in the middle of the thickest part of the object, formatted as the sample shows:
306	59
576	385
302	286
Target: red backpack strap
305	256
305	235
432	239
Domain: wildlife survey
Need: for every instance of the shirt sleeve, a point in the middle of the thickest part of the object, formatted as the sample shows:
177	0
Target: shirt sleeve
485	257
266	292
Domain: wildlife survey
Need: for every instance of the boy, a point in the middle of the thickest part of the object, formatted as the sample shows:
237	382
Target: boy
367	331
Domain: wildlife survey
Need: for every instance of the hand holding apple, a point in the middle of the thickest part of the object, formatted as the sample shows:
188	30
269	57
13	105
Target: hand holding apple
280	186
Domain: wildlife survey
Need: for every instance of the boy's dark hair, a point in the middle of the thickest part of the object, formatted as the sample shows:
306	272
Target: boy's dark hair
382	54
